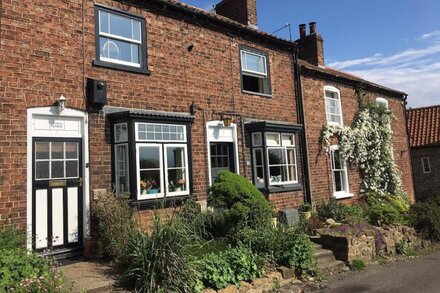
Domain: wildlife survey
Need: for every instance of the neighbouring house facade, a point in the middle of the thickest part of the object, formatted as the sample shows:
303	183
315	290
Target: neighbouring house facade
331	97
154	99
424	134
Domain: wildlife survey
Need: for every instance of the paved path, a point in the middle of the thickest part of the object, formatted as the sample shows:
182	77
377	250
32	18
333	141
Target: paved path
414	275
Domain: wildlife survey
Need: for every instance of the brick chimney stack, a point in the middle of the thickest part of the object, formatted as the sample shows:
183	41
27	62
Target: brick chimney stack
310	46
243	11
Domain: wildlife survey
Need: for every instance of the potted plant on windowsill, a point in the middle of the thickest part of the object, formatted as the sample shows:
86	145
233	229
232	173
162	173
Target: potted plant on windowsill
305	211
149	186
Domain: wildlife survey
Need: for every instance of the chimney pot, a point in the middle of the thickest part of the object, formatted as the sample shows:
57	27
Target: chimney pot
312	27
302	31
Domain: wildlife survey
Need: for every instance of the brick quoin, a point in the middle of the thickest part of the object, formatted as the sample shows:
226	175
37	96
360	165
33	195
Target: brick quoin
47	50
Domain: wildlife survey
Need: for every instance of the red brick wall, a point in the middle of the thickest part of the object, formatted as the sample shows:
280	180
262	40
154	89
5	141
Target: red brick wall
42	58
243	11
320	168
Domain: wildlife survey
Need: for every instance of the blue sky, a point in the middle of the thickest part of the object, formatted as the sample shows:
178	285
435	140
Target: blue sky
392	42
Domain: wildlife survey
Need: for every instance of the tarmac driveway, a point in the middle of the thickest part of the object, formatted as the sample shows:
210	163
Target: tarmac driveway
415	275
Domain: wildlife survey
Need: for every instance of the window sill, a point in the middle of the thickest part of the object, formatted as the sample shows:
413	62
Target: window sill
163	202
257	94
281	188
334	124
105	64
343	195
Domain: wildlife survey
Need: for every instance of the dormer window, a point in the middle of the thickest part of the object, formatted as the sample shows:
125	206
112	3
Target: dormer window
333	108
254	72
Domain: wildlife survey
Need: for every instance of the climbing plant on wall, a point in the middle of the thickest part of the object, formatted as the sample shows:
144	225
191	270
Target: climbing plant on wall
368	143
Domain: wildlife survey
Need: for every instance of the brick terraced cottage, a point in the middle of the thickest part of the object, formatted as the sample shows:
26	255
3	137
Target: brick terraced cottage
424	134
155	98
331	97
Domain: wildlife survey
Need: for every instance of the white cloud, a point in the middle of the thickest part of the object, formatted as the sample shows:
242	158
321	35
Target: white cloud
434	34
414	71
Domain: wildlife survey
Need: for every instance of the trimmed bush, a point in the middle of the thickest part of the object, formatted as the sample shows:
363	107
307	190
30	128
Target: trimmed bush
218	270
161	262
242	202
425	218
114	224
21	271
282	246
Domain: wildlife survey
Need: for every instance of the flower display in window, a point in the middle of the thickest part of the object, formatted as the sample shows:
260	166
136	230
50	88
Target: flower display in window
149	186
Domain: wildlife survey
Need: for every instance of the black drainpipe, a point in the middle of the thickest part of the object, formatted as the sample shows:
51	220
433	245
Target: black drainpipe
302	120
405	97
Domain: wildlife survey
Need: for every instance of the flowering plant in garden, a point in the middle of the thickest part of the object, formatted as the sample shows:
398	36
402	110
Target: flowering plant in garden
367	143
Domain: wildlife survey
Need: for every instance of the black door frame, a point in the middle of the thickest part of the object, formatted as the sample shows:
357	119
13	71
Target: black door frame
77	182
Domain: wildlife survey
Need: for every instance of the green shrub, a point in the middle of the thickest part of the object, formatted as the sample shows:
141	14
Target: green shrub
388	209
114	224
218	270
282	246
242	202
384	214
26	272
161	262
340	212
11	238
357	264
425	218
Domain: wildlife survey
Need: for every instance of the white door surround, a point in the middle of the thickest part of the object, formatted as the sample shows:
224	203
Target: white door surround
217	132
48	122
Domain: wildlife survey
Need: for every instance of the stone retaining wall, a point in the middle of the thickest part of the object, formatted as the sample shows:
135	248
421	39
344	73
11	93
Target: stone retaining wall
268	283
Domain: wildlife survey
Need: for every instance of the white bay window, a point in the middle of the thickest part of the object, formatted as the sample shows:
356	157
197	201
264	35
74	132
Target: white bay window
274	156
150	159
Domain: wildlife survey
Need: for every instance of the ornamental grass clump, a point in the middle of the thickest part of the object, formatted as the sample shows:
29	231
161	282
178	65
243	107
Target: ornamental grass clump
161	261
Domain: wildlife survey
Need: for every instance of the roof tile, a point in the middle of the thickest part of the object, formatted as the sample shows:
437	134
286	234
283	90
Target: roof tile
424	126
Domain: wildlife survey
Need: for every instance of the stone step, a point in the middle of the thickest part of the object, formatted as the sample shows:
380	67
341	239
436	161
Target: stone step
332	267
324	256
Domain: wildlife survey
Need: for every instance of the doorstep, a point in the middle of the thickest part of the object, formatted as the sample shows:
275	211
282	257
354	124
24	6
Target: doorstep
89	275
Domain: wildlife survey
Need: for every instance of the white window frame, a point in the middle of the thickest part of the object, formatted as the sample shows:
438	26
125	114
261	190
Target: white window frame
346	192
117	183
255	166
428	164
64	159
338	92
115	129
284	150
138	171
382	102
185	149
243	53
184	140
119	38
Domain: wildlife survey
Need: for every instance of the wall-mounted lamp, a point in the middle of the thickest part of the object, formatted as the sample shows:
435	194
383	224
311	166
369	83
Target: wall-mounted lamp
62	103
226	120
